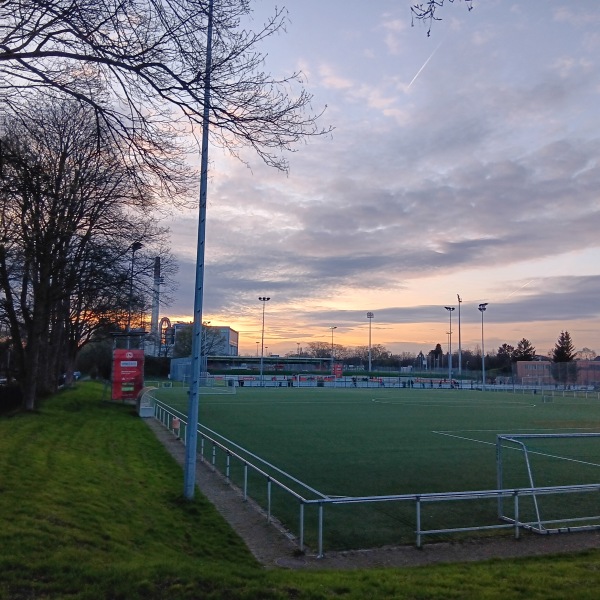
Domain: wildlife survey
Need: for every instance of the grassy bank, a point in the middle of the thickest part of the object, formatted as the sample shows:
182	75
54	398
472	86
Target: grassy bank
91	507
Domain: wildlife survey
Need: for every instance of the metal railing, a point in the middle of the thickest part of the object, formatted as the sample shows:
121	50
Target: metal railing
177	423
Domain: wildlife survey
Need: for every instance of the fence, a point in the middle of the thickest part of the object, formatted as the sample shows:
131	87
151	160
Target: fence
226	454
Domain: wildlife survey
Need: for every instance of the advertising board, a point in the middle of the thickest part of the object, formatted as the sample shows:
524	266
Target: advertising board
128	373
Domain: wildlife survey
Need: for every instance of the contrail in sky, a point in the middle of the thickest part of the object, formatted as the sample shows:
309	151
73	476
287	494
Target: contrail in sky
520	288
424	65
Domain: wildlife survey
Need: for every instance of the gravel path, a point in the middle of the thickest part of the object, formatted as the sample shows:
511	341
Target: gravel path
274	547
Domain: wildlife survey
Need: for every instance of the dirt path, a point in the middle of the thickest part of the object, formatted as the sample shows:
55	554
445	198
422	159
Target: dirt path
274	547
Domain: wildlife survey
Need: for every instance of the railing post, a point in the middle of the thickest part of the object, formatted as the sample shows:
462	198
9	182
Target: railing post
269	485
214	457
418	515
320	554
499	474
202	438
245	494
227	468
517	529
301	537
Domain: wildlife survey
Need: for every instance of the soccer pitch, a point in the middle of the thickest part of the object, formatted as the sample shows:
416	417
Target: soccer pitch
367	442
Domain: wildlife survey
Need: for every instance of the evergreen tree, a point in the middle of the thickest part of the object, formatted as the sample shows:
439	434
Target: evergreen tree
564	349
504	358
524	351
564	367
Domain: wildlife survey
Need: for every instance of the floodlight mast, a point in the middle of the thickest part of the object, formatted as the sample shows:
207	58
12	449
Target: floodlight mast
332	328
450	309
264	300
370	316
134	248
482	308
459	341
191	431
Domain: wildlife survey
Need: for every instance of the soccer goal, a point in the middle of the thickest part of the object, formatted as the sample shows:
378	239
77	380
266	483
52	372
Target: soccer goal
535	384
213	384
558	475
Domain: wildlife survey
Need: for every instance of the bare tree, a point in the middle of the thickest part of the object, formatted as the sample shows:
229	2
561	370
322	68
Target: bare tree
426	11
69	211
140	66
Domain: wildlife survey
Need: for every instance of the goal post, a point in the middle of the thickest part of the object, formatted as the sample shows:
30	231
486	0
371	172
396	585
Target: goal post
215	384
539	461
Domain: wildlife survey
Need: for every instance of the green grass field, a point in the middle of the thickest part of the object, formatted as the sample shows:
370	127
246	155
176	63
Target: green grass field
354	442
92	507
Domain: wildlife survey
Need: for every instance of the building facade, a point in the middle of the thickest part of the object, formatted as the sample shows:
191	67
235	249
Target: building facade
544	372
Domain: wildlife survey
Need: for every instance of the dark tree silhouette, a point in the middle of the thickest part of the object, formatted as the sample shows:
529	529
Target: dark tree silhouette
524	351
141	67
69	211
564	367
426	11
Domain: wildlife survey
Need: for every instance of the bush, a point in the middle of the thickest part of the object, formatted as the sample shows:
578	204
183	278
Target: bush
10	398
157	366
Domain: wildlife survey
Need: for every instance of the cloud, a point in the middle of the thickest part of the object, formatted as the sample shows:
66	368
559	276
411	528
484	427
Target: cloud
484	177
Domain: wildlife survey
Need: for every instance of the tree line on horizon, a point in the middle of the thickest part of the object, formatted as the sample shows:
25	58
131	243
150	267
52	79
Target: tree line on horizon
501	360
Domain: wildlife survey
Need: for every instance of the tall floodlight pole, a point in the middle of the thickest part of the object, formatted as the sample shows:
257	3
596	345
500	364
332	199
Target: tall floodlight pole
264	300
191	432
482	308
450	309
459	341
134	248
370	316
332	328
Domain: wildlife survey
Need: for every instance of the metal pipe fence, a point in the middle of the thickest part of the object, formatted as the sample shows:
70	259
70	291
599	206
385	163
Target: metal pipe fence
210	447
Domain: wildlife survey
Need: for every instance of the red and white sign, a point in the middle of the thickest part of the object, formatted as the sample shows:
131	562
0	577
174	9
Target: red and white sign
128	373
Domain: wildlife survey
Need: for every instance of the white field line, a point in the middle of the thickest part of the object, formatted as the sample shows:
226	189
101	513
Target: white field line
460	437
453	404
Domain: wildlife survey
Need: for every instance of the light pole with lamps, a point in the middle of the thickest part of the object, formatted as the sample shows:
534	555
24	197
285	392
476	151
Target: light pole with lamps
332	328
459	341
450	309
370	316
264	300
191	432
134	248
482	308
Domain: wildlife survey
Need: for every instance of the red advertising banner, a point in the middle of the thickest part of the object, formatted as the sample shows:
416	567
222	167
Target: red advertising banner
338	369
128	373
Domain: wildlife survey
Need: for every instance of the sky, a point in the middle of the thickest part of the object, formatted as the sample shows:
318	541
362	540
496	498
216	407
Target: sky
463	163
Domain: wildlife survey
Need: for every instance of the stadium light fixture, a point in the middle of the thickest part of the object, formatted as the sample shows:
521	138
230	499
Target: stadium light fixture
450	309
264	300
370	316
482	308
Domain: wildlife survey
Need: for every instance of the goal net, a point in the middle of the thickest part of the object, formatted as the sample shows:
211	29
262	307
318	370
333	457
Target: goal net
537	462
213	384
538	383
